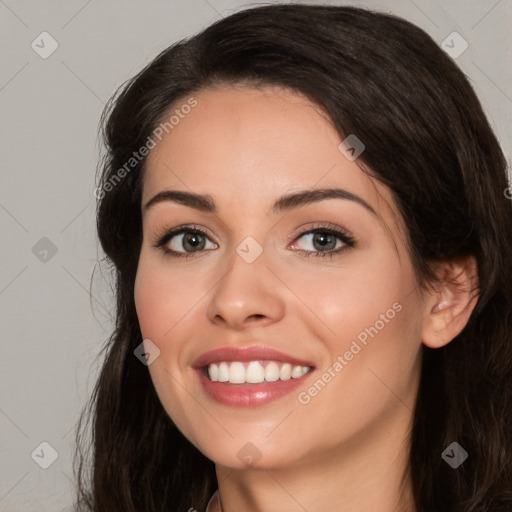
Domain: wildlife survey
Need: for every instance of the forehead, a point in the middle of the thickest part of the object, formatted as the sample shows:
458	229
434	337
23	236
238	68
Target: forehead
248	146
247	132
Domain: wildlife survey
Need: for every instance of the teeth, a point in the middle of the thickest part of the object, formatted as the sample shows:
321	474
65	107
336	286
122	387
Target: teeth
272	372
213	372
254	372
286	371
223	372
237	373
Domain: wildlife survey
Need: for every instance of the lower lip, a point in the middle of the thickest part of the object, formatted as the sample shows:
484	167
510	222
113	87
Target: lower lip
249	395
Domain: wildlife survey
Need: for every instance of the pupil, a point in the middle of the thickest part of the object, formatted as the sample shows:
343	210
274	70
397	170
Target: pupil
323	240
193	240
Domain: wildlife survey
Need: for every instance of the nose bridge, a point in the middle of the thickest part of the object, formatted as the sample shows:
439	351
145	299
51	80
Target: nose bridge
247	290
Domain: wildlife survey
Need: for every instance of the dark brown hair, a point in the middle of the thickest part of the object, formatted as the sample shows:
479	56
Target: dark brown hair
386	81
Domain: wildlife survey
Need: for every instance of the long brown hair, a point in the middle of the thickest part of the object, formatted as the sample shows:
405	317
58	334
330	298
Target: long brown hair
427	139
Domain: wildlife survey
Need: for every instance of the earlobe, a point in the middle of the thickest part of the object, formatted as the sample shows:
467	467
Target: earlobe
449	309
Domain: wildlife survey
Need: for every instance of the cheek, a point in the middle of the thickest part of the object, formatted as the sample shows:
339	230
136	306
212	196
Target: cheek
377	325
159	301
164	293
370	317
372	345
347	300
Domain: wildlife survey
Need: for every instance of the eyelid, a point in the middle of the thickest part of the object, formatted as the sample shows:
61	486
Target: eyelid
163	232
318	226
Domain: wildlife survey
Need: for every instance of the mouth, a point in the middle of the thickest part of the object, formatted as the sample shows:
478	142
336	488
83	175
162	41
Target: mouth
250	377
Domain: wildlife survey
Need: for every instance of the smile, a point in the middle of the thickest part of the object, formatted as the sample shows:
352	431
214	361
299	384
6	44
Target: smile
251	384
254	372
250	376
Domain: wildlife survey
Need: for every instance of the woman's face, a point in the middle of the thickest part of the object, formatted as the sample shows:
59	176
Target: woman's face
275	274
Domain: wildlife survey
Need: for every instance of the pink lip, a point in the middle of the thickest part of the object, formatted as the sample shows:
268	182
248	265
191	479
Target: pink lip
245	355
248	395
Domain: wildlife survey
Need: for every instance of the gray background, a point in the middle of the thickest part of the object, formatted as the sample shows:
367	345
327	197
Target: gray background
51	329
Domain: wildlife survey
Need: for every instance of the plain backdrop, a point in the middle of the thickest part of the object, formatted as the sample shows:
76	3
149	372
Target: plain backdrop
52	328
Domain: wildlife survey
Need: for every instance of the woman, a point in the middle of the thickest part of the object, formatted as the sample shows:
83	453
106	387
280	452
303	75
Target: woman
304	206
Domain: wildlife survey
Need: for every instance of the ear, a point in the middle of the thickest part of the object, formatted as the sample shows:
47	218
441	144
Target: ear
448	308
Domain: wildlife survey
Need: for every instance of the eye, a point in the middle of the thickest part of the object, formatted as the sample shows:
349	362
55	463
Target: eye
183	241
324	241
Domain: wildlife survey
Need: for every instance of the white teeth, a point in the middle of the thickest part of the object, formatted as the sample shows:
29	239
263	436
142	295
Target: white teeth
271	372
286	371
254	372
237	373
223	372
296	372
213	372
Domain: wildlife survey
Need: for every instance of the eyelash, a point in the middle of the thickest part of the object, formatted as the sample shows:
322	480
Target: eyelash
161	239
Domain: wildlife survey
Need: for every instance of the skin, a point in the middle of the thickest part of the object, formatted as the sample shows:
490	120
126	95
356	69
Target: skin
347	448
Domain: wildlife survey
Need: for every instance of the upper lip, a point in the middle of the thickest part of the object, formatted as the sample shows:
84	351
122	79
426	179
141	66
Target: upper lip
253	353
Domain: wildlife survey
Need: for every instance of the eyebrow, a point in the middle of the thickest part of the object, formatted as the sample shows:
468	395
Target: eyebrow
205	203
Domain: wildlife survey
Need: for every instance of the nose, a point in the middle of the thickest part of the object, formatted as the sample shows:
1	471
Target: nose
248	295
